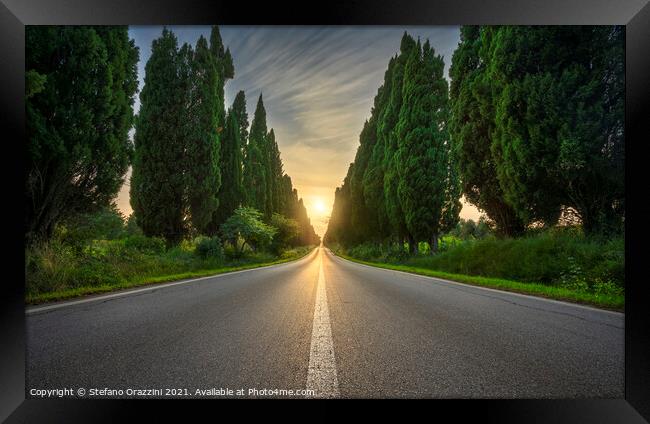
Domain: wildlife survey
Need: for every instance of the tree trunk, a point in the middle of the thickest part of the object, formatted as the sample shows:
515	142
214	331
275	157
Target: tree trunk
412	245
433	244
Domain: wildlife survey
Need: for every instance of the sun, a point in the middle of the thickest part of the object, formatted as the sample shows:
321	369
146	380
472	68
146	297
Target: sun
319	206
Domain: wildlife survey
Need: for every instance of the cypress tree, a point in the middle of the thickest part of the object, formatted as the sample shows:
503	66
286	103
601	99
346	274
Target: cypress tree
255	171
373	179
288	201
271	200
80	85
471	125
388	134
224	71
276	172
558	138
201	138
240	114
422	157
158	181
231	192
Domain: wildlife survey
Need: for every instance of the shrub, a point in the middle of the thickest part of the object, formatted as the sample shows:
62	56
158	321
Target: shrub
246	224
557	256
105	224
287	232
367	251
210	248
145	244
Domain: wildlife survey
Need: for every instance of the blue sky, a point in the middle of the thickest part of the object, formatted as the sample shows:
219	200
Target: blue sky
318	84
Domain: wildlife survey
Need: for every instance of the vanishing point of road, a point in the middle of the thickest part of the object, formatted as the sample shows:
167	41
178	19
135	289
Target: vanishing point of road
334	327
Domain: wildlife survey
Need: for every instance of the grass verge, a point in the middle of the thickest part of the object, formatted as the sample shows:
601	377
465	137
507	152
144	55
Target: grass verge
34	299
604	301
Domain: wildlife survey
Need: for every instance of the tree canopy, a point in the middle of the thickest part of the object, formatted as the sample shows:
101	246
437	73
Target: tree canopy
80	84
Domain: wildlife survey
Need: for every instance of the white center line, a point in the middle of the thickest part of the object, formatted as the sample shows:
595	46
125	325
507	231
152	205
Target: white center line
321	375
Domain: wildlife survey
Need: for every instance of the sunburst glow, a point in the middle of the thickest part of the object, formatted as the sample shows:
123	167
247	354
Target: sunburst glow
319	206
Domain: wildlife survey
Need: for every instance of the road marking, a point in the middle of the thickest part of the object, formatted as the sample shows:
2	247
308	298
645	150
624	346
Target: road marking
154	286
321	375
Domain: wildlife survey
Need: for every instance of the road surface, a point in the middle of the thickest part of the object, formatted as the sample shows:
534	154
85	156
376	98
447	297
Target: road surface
329	326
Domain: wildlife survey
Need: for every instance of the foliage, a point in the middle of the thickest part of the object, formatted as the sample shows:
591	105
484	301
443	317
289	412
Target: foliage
80	83
555	257
131	226
403	184
558	135
192	165
605	295
55	270
144	243
231	191
209	247
288	232
246	224
201	138
427	190
470	230
255	168
106	224
158	182
471	125
532	126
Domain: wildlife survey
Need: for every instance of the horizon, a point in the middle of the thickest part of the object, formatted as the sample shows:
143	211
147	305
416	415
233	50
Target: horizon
318	85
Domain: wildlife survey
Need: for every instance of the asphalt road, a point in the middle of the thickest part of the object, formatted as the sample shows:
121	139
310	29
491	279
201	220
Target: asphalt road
329	325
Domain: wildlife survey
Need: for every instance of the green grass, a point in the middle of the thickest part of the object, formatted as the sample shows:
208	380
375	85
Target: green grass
610	301
558	263
57	272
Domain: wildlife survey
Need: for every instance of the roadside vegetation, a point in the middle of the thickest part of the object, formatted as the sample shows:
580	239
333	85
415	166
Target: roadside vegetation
102	252
558	263
208	194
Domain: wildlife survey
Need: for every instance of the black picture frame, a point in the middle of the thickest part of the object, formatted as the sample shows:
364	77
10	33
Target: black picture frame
634	14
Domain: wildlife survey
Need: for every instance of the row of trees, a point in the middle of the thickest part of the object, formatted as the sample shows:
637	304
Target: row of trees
537	124
402	185
532	127
195	163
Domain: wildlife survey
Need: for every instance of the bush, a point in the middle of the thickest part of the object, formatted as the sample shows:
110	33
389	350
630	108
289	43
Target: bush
246	224
144	243
367	251
131	227
557	256
105	224
210	248
288	231
55	266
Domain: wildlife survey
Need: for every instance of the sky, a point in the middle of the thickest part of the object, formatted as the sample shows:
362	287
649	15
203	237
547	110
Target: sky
318	85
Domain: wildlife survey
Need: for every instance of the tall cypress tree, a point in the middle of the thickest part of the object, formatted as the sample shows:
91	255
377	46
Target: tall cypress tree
80	85
288	201
231	192
271	200
240	114
422	157
255	171
276	172
224	71
388	134
558	138
373	179
201	138
158	180
471	126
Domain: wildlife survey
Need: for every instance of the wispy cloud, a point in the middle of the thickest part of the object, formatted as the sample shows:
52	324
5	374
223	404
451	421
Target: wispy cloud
318	85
